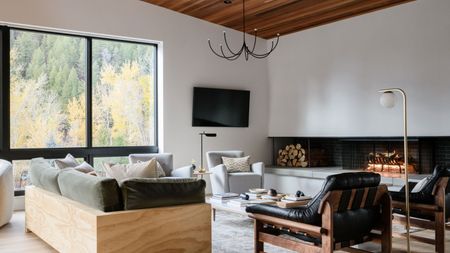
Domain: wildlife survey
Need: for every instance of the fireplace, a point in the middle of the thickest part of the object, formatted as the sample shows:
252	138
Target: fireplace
391	162
379	154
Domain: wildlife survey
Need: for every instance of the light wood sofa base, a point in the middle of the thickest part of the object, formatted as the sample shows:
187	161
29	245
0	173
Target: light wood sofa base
69	226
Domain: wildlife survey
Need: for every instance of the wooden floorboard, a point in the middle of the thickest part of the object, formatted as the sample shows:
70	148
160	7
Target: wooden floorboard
13	239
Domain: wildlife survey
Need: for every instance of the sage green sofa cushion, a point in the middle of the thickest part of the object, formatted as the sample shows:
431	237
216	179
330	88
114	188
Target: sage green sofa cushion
101	193
43	175
139	193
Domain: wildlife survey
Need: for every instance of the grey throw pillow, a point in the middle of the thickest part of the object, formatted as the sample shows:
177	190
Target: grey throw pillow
84	167
240	164
68	161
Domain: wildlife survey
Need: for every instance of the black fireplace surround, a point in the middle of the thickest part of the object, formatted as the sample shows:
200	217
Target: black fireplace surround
353	152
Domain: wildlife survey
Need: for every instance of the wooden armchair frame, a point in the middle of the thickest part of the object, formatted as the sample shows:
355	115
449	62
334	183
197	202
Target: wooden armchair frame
436	210
328	206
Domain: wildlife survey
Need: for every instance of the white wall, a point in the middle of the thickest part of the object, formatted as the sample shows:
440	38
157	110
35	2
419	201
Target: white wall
324	81
187	60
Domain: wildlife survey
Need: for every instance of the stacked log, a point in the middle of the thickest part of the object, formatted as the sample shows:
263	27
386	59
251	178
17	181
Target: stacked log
292	156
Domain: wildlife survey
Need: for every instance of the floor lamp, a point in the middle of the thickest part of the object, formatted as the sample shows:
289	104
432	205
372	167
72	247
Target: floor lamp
202	169
387	100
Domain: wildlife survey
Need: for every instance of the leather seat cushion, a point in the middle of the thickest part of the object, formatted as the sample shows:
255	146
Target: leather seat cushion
361	220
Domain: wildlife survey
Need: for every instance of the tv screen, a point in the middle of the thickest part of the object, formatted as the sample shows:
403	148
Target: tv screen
220	107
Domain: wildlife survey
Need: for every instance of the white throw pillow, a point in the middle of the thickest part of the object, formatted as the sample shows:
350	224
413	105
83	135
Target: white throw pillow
68	161
419	186
240	164
159	168
140	170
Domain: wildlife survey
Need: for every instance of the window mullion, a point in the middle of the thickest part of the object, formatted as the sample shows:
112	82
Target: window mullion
89	88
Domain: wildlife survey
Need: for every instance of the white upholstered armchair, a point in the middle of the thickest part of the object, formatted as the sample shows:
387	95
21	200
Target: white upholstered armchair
6	192
166	161
237	182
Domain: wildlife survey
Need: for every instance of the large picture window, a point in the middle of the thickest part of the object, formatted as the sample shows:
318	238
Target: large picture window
47	90
123	95
67	93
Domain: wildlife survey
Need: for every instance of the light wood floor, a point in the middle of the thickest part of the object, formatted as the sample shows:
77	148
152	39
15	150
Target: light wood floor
13	239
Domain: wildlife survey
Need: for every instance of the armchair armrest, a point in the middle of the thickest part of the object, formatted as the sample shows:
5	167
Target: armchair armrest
258	168
185	171
219	179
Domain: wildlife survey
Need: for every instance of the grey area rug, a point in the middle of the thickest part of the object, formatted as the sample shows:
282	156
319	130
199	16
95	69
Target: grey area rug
233	233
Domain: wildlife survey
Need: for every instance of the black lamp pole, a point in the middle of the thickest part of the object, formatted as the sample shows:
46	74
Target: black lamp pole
201	146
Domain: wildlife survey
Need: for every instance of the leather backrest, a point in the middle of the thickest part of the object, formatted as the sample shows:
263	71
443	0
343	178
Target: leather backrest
215	157
346	181
343	181
165	159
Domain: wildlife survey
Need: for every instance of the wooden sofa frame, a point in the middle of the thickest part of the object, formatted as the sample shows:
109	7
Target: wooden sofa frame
328	206
69	226
436	210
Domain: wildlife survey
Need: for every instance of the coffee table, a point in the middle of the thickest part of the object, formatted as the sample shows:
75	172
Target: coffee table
225	207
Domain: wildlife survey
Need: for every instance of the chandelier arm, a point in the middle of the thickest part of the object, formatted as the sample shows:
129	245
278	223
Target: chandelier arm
272	48
214	51
230	57
276	43
254	41
226	44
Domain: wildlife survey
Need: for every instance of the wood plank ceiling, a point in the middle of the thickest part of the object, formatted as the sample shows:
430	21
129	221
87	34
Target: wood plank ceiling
275	16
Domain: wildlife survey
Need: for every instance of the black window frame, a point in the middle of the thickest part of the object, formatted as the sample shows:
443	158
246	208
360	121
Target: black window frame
89	151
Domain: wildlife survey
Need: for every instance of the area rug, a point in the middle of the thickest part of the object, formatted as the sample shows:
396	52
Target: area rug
233	233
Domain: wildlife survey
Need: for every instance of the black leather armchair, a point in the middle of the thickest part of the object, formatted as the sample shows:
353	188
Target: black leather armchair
429	207
342	214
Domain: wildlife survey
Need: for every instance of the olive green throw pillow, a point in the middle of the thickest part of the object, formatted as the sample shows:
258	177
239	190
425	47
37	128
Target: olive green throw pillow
139	193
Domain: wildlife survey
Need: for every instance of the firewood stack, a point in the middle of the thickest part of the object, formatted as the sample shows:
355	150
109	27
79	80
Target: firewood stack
292	156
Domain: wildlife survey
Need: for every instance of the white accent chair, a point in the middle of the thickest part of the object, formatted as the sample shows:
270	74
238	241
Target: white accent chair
166	161
6	192
237	182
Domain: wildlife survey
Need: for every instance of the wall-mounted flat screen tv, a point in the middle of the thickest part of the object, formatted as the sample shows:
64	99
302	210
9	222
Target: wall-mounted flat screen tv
220	107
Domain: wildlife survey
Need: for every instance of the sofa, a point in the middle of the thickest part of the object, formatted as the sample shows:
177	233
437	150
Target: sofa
6	192
77	212
166	161
237	182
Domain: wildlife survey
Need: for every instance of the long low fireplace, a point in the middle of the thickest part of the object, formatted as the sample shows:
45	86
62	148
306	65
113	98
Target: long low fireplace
379	154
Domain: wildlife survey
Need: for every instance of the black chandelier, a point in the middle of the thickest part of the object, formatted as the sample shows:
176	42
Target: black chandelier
232	55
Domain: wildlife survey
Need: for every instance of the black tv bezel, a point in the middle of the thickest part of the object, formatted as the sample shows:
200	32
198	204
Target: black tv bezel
221	89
